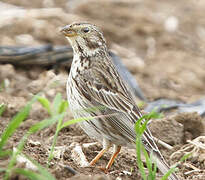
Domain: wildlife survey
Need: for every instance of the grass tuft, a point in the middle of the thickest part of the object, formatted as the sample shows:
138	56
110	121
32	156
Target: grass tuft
140	127
2	108
15	123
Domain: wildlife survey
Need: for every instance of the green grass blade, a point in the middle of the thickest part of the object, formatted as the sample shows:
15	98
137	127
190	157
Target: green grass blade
46	104
14	156
60	120
63	107
2	86
171	170
45	123
56	103
139	161
29	174
184	158
148	163
2	108
15	122
138	149
155	170
141	104
74	121
144	126
5	153
92	109
43	171
152	115
140	127
37	127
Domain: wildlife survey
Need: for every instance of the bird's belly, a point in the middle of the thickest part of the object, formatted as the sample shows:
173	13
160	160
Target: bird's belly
78	109
95	128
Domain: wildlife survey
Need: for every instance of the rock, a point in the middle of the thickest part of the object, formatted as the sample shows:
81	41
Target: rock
193	124
6	71
168	130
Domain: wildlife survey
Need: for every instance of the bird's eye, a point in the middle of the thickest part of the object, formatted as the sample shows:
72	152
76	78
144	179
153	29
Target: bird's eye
85	30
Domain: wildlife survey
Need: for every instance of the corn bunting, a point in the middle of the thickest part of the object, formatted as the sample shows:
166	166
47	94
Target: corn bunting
94	83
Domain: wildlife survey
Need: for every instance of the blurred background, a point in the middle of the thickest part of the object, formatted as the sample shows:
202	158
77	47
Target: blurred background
160	42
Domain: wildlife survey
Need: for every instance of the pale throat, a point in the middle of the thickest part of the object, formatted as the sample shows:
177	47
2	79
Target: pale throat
77	64
81	52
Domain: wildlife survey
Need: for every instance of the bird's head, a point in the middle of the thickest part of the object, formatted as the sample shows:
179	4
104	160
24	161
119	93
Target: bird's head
84	37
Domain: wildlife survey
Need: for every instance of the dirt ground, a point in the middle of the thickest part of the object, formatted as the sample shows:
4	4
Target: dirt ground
161	43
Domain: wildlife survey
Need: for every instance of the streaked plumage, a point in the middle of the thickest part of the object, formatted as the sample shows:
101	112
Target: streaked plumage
94	82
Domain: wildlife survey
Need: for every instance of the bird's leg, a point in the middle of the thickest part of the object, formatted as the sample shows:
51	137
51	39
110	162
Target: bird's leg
106	147
114	155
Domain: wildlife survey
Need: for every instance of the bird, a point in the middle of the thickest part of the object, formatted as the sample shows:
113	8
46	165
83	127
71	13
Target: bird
96	89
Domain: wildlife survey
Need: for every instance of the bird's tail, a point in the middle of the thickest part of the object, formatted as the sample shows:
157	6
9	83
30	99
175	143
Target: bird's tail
163	167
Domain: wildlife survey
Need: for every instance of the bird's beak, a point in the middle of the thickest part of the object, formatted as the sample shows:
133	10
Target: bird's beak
68	31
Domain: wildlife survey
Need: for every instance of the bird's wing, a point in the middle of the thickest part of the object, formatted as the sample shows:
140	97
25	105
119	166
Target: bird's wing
108	89
103	94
